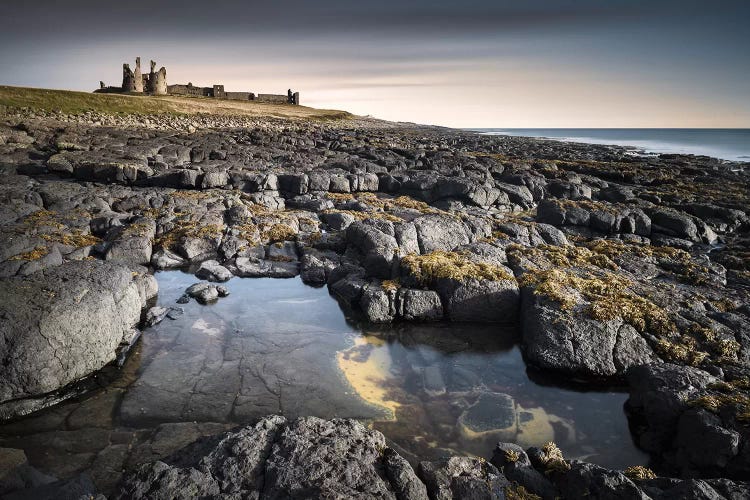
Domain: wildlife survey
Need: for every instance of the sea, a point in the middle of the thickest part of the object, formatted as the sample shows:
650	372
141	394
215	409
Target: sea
728	144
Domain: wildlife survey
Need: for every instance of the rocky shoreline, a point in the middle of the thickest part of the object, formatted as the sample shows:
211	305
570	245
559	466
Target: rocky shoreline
617	267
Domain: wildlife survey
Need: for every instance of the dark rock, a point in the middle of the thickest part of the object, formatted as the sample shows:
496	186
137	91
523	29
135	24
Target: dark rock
509	453
203	292
377	304
440	232
591	481
481	300
211	270
462	477
419	305
659	393
379	249
716	447
553	340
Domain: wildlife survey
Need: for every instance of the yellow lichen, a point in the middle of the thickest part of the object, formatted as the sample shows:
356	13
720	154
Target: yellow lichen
553	459
340	197
188	229
248	232
738	402
511	456
452	265
391	285
278	232
74	238
35	254
408	202
518	492
681	349
608	296
561	256
639	472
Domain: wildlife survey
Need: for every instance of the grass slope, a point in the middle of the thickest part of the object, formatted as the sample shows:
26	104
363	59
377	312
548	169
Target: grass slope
70	102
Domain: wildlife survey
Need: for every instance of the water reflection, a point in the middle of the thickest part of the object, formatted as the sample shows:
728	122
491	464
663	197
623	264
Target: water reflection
278	346
461	388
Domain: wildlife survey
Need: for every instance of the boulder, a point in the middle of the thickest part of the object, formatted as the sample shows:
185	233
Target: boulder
211	270
377	304
204	293
591	481
379	248
65	323
165	259
569	342
215	179
440	232
251	267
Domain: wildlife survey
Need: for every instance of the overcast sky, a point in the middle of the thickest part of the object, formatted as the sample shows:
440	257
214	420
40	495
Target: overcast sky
468	63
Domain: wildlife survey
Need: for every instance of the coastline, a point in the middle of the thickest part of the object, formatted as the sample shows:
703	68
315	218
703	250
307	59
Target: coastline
725	144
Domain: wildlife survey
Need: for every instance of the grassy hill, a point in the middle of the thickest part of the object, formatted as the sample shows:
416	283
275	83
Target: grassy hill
70	102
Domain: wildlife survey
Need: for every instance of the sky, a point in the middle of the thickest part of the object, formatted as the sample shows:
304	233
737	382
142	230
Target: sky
468	63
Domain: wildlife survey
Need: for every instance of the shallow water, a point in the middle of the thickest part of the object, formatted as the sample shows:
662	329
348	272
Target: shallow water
279	346
727	144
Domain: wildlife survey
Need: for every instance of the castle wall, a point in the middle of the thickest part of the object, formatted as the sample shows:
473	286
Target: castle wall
273	98
189	90
240	96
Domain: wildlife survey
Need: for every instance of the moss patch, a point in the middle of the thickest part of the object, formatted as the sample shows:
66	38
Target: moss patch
608	295
552	459
731	397
639	473
35	254
188	229
278	232
391	285
518	492
561	256
452	265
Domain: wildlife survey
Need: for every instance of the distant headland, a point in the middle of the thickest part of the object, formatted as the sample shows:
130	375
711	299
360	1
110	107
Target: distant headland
155	83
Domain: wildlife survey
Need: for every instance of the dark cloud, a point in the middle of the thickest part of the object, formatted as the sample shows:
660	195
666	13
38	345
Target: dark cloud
87	19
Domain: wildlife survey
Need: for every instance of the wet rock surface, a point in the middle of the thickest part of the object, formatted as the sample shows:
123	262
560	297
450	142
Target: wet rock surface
617	266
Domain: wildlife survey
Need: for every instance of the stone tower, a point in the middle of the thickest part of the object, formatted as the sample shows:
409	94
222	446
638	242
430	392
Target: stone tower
137	76
128	79
157	80
132	81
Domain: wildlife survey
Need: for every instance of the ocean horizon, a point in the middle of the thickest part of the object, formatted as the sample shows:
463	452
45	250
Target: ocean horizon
727	143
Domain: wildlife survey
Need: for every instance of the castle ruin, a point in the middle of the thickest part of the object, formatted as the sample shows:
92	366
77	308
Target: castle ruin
155	83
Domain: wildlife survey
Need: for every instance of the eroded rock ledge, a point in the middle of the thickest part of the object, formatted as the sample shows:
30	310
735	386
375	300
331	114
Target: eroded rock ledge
341	458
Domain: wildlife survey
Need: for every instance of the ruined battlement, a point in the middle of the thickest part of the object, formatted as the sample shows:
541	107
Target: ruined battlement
155	83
